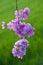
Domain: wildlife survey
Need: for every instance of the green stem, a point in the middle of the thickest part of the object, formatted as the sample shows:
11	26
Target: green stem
17	5
17	8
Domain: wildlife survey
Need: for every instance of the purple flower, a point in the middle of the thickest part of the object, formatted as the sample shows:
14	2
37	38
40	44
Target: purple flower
28	30
11	25
19	14
22	14
26	13
19	49
21	28
3	25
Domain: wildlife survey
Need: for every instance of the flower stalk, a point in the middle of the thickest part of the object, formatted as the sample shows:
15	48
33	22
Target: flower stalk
17	9
16	5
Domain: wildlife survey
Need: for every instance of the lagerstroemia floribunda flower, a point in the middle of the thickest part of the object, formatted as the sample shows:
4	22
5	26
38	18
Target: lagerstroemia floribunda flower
19	49
3	25
22	29
23	14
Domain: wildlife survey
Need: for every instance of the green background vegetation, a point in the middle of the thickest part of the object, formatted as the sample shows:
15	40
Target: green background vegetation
34	55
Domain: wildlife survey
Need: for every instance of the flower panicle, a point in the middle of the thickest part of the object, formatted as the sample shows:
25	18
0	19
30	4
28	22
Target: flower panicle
22	29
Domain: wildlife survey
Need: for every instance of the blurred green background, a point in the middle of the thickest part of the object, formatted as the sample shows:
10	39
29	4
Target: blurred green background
34	55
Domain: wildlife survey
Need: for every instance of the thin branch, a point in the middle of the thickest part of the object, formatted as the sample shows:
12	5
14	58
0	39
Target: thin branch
17	8
17	5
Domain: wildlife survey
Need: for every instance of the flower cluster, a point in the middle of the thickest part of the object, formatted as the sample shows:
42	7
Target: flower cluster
22	14
19	49
22	29
3	25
